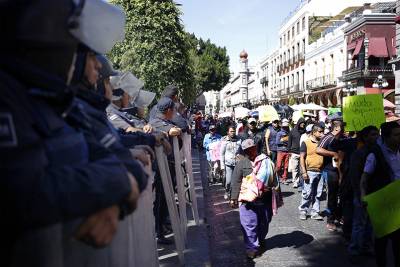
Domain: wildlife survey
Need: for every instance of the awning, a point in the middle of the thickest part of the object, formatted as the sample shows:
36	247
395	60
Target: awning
358	47
378	47
352	45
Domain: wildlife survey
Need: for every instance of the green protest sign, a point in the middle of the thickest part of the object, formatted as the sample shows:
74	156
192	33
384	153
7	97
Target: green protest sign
384	209
334	110
363	110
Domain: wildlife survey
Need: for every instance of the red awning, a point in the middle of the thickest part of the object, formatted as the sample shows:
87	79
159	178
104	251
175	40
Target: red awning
378	47
352	45
358	48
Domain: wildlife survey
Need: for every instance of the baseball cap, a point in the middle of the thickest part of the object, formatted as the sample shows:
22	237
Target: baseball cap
252	120
212	127
285	122
248	143
309	128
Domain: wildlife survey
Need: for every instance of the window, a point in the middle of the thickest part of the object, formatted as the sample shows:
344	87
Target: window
284	39
293	32
303	22
288	35
298	27
244	80
280	42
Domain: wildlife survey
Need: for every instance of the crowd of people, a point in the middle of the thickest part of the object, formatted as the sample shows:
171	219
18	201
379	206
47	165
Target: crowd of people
76	145
321	160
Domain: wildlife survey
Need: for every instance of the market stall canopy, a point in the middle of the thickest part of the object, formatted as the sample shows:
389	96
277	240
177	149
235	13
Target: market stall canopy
225	115
241	112
309	106
267	113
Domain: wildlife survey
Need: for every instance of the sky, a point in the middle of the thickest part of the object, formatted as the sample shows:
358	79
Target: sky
252	25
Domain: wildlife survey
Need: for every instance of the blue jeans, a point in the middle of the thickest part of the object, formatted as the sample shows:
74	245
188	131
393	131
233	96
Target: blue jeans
361	234
254	219
311	193
228	177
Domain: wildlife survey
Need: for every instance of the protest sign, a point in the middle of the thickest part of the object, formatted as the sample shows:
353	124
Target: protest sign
363	110
333	110
267	113
384	209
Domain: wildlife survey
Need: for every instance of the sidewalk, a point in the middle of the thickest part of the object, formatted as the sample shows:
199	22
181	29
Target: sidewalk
197	252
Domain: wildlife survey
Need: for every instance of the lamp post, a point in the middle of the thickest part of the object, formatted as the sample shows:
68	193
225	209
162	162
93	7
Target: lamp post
380	83
349	89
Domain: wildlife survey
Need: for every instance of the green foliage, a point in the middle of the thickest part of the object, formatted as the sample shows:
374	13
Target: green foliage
211	65
159	51
155	49
292	101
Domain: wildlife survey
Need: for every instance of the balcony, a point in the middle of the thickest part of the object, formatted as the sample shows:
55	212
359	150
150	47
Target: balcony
296	88
371	72
264	80
301	56
326	81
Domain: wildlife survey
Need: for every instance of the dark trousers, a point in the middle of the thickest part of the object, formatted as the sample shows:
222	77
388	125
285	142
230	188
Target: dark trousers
160	208
332	178
273	156
381	247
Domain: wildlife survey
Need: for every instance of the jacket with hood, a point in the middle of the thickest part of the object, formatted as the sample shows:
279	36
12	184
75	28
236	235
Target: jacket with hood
229	150
294	137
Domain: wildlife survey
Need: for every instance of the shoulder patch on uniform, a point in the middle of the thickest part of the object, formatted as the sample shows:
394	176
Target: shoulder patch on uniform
8	137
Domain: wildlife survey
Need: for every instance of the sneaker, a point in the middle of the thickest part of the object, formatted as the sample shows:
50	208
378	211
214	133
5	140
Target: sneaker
226	196
295	185
331	227
303	216
251	254
317	217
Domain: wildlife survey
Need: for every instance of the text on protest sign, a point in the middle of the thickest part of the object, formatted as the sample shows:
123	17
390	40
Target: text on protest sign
363	110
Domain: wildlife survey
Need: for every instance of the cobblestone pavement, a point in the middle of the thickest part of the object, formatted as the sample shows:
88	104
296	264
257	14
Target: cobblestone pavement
290	241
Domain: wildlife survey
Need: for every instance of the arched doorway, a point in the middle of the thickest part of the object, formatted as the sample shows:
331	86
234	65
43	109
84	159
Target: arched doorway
333	99
324	100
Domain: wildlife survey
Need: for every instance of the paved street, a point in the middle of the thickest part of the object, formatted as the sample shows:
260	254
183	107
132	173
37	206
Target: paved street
290	241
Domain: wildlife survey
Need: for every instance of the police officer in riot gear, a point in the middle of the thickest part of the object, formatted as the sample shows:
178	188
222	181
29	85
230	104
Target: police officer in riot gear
52	170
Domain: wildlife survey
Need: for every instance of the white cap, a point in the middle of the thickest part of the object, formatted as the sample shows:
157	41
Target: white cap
251	120
285	122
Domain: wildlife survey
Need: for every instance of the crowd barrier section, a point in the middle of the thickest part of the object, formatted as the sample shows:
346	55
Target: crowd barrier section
134	244
171	203
187	150
180	183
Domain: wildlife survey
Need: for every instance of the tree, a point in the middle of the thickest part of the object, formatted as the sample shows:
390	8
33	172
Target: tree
156	47
210	65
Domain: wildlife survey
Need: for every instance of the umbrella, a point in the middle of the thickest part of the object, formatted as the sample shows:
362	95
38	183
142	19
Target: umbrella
225	115
254	113
241	112
267	113
388	104
310	106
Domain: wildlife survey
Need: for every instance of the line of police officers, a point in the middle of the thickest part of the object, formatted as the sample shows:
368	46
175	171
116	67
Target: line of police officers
75	152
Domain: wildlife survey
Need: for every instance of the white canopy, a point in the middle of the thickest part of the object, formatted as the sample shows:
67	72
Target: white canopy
225	115
309	106
241	112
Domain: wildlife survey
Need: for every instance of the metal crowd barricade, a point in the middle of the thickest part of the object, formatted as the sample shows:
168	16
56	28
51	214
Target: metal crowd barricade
134	244
187	150
171	203
181	187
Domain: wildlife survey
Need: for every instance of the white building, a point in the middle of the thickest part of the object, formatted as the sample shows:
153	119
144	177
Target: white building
241	88
301	28
212	102
325	62
268	69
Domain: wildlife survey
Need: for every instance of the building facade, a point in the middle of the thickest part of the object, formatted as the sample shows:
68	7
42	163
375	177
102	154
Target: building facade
396	61
370	46
325	61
